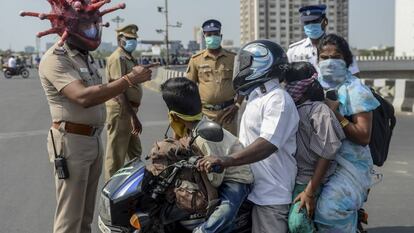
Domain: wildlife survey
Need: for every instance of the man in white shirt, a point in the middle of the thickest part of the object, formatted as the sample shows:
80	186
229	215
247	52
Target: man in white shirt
315	23
268	132
12	62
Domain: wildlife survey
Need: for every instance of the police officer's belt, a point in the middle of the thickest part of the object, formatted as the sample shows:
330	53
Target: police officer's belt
75	128
218	107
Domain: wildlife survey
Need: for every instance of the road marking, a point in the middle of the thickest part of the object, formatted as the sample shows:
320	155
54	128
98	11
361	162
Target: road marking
22	134
30	133
400	162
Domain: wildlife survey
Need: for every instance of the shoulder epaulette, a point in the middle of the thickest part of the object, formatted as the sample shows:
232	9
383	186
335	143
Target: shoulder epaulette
59	51
297	43
231	52
198	54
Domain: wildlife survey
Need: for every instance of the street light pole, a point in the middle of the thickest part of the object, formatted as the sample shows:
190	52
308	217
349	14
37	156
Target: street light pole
166	34
164	10
117	20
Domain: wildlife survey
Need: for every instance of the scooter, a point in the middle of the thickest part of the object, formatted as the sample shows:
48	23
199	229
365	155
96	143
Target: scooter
128	199
19	70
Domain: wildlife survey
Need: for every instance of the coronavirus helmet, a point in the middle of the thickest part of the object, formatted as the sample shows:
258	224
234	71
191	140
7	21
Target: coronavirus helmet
256	63
77	21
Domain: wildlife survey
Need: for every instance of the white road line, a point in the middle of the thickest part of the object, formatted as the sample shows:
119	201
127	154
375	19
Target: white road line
30	133
22	134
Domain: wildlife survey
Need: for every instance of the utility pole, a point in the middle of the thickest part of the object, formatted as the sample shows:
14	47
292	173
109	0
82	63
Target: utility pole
117	20
164	10
166	34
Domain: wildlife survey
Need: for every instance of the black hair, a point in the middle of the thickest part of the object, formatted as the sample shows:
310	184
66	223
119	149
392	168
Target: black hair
303	70
181	95
341	46
299	71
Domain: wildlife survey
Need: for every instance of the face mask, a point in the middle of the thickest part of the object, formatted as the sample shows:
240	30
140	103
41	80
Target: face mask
91	32
179	128
213	42
333	73
314	30
130	45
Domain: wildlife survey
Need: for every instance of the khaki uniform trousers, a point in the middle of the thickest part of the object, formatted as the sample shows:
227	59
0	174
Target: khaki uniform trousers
213	115
76	195
120	142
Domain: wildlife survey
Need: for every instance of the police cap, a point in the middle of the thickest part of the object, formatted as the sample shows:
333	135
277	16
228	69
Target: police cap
129	31
211	25
313	12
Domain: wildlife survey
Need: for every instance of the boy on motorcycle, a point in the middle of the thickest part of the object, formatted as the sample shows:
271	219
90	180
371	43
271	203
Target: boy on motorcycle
183	101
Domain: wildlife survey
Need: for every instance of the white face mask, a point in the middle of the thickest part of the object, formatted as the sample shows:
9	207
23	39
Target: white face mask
332	73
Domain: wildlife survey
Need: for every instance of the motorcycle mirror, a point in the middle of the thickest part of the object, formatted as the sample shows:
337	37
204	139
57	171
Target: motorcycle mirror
208	130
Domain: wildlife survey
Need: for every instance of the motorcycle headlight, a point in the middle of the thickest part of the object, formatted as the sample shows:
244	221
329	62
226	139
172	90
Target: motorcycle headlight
105	207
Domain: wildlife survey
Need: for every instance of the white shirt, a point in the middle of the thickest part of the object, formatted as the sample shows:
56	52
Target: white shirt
272	116
304	50
11	63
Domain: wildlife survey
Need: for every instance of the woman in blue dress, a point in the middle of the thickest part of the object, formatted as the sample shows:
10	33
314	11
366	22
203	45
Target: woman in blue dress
347	188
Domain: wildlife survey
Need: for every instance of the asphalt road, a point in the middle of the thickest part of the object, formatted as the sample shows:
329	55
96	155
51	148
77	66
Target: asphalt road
27	196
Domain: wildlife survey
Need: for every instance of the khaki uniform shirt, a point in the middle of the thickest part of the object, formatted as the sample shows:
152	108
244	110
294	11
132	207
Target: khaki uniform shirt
213	75
226	147
59	67
119	64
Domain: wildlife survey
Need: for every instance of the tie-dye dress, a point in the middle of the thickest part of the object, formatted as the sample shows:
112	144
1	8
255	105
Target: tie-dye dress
346	190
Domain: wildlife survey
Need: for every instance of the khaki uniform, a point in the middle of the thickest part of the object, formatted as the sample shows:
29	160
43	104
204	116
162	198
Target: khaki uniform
120	141
76	195
214	77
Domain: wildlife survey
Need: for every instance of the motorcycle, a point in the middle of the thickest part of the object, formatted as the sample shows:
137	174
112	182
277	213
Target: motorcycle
126	203
19	70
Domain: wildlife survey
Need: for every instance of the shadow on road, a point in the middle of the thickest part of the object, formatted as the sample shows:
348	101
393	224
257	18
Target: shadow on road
391	229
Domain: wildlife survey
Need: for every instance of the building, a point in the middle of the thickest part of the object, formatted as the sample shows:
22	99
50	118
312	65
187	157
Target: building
279	20
404	28
29	49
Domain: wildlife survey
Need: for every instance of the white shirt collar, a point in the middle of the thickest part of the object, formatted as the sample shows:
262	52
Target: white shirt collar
269	85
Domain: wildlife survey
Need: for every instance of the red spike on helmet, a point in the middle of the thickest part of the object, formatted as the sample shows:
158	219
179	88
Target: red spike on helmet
77	21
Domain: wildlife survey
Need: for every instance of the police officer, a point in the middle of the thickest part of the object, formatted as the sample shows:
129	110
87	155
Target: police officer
212	70
315	23
122	121
76	98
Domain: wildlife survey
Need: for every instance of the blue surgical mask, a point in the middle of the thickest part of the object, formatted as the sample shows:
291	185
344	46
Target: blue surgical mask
91	32
314	30
130	45
333	73
213	42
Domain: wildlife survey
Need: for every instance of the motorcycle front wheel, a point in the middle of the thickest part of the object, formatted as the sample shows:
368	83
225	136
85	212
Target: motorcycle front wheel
8	74
25	73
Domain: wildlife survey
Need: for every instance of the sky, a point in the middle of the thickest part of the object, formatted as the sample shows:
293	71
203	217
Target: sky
371	21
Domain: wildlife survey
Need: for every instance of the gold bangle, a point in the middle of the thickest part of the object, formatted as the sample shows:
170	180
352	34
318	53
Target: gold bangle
125	77
344	123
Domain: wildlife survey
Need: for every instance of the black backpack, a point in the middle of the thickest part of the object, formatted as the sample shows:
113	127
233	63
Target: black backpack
383	123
